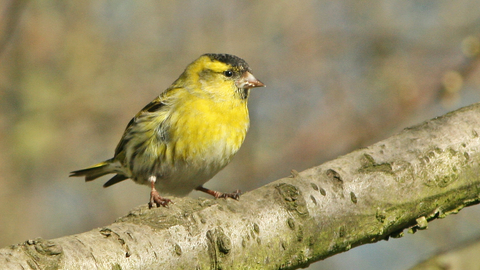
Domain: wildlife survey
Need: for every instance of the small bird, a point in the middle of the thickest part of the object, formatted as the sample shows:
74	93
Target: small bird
186	135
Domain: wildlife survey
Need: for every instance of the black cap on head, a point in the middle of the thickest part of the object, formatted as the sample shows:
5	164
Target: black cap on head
229	59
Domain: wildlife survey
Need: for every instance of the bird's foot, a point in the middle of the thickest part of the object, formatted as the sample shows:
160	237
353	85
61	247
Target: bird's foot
155	199
234	195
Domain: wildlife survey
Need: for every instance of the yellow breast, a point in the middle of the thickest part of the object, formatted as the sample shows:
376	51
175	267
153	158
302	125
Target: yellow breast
206	131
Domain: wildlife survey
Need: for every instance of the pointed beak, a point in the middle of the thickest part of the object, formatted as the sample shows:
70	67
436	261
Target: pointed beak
248	81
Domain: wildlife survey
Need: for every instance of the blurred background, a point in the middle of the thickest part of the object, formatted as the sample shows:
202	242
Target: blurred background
340	75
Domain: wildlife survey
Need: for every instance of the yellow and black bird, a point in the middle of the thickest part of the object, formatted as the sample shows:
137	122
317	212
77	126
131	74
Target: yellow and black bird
186	135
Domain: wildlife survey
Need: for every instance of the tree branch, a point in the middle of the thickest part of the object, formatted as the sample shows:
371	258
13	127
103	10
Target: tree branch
423	173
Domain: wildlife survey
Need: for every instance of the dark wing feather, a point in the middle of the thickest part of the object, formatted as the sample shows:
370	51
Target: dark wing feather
153	106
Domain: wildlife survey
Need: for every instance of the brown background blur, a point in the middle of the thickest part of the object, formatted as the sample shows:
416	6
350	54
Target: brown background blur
340	75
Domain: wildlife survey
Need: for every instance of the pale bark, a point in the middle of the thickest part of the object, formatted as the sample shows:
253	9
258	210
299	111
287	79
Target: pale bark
423	173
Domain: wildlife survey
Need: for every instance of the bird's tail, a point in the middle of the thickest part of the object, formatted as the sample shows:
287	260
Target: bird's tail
96	170
101	169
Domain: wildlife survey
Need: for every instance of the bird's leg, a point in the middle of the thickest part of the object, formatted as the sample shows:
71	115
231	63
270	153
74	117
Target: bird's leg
234	195
155	198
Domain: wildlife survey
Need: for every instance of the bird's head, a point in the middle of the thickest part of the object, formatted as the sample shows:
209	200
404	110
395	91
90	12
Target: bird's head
221	75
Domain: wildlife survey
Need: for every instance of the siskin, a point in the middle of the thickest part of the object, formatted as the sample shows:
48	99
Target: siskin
186	135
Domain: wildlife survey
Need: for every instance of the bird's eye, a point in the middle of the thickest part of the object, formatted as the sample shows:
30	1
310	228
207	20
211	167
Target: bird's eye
228	73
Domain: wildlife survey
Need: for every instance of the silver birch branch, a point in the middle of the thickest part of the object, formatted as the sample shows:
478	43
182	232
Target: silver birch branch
423	173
